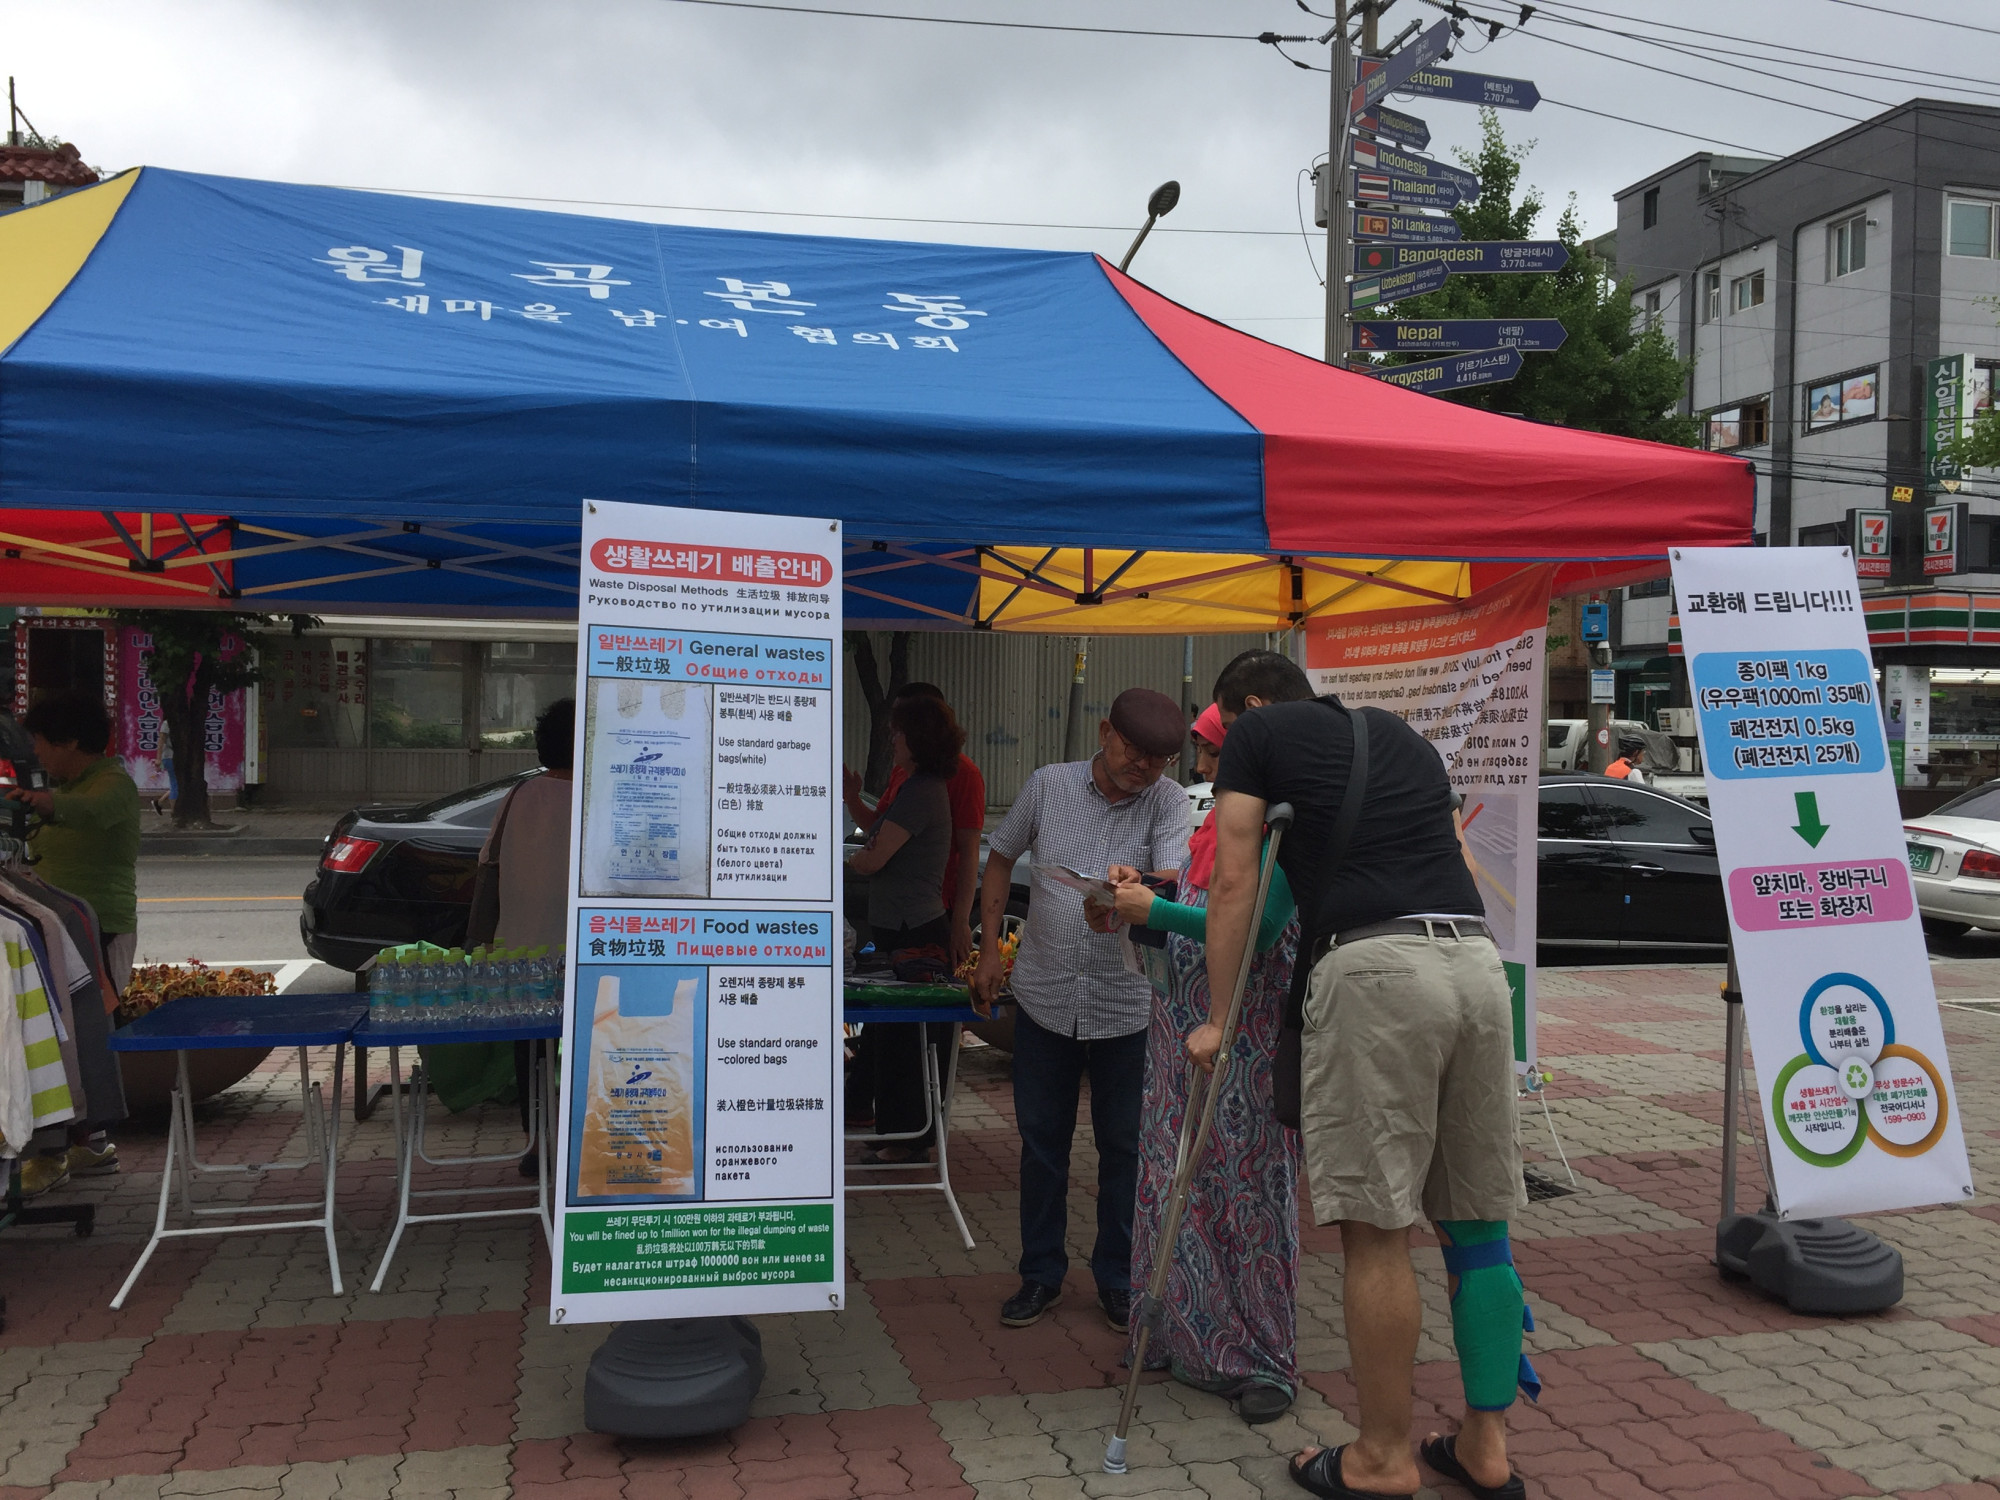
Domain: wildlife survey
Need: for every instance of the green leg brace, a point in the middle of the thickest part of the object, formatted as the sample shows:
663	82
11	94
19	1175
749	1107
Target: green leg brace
1489	1311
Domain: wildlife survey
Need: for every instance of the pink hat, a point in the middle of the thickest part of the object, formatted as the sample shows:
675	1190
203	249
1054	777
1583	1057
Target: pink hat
1209	725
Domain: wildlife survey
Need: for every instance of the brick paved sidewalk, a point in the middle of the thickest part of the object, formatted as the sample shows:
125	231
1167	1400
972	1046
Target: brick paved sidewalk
233	1371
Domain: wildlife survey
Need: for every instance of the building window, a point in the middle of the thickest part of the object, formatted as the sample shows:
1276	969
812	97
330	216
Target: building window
1843	399
1969	228
1745	426
1846	246
314	692
1711	296
517	681
1657	588
1747	291
1652	305
418	696
1649	208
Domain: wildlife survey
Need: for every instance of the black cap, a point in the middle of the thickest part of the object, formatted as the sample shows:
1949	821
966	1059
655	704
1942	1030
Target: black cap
1150	722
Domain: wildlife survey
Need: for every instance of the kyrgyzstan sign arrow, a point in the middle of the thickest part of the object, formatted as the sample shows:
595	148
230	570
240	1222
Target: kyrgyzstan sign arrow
1456	373
1460	335
1374	291
1470	88
1466	257
1393	123
1424	50
1370	157
1809	826
1415	192
1406	229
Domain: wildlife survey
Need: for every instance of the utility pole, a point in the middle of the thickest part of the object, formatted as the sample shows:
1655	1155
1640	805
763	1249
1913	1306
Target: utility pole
1339	263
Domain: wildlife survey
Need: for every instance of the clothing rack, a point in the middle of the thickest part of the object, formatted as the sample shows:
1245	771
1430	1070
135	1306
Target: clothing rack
81	1217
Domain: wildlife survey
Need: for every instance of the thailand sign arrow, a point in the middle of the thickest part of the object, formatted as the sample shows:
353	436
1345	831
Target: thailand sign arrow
1466	257
1470	88
1374	291
1415	192
1424	50
1369	157
1404	229
1456	373
1460	335
1408	129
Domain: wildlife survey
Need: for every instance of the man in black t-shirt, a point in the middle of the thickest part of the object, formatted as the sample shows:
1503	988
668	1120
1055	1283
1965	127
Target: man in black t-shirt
1407	1080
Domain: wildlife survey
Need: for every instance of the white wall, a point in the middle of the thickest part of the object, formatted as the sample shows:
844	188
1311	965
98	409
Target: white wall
1733	354
1670	310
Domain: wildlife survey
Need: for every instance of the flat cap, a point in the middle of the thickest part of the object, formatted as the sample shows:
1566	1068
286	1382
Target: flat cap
1149	721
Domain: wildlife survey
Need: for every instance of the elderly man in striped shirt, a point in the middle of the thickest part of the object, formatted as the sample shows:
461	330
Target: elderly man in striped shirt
1080	1011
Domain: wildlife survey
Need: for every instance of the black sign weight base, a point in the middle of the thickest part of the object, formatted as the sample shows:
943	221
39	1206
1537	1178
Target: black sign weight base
1811	1265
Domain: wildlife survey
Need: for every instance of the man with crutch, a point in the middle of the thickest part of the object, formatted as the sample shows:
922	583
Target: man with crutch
1407	1074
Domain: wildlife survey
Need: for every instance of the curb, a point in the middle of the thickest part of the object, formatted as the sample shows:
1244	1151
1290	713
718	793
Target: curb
226	844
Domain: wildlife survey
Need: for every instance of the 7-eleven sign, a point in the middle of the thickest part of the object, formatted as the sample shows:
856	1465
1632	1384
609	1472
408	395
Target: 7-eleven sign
1871	543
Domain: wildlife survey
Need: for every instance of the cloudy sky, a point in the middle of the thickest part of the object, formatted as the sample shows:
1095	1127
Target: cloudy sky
708	114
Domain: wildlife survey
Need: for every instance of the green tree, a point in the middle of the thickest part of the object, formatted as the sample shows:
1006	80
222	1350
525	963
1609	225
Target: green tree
1609	375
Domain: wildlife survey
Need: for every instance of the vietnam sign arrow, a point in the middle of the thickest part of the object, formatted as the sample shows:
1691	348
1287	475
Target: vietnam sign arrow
1393	123
1456	373
1470	88
1370	157
1417	192
1422	51
1406	229
1460	335
1373	291
1466	257
1809	826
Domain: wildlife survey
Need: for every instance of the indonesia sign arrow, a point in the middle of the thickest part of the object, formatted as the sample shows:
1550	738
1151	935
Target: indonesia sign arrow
1418	192
1393	123
1456	373
1470	88
1369	157
1466	257
1406	229
1460	335
1374	291
1395	71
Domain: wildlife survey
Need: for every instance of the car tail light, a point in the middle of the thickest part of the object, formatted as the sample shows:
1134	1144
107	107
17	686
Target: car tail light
350	856
1981	863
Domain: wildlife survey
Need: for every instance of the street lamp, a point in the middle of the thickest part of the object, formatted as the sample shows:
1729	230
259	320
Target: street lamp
1165	196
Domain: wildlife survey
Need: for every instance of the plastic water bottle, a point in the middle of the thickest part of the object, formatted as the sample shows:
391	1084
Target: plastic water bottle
402	991
475	1008
378	994
451	987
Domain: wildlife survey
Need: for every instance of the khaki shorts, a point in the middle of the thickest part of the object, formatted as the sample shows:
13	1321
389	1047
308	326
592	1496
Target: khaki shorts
1407	1083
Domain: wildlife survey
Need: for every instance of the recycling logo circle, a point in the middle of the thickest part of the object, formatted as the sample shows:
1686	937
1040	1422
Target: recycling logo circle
1855	1082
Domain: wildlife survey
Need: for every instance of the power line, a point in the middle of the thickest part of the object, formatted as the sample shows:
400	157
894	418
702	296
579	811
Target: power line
885	15
1917	15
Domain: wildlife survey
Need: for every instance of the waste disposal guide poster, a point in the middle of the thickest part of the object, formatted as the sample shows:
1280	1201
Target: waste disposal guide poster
1467	675
1858	1102
699	1160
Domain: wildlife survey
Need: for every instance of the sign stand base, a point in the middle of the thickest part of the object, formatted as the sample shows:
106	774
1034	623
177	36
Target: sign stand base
674	1377
1810	1265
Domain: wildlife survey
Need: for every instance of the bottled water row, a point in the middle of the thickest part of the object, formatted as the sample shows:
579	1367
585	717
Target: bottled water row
451	987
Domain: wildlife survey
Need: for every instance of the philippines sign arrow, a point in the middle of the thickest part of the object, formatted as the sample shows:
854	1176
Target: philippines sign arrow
1405	229
1393	123
1456	373
1418	192
1460	335
1369	157
1466	257
1374	291
1426	49
1809	826
1470	88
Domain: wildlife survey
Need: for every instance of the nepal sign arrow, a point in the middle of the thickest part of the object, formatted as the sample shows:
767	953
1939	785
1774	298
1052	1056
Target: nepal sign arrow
1456	373
1370	157
1374	291
1471	88
1408	129
1405	229
1460	335
1466	257
1416	192
1393	72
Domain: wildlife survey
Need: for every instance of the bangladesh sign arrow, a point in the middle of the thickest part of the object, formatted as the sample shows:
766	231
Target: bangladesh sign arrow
1369	157
1405	229
1415	192
1460	335
1374	291
1466	257
1470	88
1393	123
1809	826
1395	71
1456	373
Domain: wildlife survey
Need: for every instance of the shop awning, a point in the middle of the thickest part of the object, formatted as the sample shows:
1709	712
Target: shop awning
286	397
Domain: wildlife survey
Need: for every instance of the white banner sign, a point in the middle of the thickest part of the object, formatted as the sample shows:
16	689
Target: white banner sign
1857	1095
699	1159
1468	677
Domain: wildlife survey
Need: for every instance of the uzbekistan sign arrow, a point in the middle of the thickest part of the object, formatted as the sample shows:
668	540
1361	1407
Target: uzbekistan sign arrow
1456	373
1369	157
1471	88
1408	129
1418	192
1460	335
1395	71
1374	291
1405	229
1466	257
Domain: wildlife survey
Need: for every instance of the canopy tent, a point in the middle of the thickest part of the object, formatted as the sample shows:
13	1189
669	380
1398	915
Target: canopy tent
278	397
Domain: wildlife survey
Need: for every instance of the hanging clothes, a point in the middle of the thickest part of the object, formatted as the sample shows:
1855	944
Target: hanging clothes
57	956
33	1089
89	1016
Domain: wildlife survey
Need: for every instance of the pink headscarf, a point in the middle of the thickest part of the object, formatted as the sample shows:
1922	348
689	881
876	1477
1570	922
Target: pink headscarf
1201	846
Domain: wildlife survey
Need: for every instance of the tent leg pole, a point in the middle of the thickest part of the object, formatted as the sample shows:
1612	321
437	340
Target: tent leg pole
1075	735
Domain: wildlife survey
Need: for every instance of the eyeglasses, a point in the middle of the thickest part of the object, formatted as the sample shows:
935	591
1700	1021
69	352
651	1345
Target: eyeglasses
1140	757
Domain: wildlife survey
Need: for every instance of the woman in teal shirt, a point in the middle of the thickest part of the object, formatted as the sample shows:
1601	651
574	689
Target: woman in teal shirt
1231	1320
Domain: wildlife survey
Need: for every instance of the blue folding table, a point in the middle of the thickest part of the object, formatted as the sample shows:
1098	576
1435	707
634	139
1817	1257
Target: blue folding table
206	1021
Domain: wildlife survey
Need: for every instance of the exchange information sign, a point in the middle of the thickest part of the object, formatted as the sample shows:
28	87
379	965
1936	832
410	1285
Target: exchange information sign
699	1159
1467	676
1857	1095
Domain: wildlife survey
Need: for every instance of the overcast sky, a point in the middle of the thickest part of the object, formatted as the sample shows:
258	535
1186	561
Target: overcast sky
657	102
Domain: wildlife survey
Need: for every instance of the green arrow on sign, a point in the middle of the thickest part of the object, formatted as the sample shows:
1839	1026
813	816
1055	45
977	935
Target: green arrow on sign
1809	826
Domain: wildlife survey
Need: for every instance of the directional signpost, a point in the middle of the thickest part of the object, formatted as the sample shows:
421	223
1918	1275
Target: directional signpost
1374	291
1467	257
1456	373
1468	88
1406	229
1459	335
1422	51
1393	123
1415	192
1370	157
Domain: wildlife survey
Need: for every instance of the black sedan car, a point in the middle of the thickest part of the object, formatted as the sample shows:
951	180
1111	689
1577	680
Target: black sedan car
1623	866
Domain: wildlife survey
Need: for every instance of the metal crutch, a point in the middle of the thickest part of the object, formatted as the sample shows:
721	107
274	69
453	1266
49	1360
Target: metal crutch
1152	1308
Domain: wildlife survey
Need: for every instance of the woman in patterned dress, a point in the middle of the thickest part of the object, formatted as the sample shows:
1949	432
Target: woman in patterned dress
1231	1317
